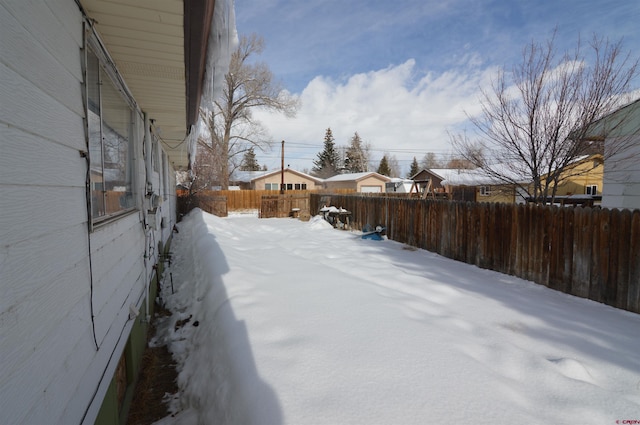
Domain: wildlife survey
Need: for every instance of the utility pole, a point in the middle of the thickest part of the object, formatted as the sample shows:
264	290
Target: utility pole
282	171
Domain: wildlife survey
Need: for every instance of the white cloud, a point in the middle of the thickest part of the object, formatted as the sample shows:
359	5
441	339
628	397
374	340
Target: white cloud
399	109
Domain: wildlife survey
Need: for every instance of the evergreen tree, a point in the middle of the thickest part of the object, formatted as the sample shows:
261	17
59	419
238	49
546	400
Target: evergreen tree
414	168
383	168
249	162
327	164
356	158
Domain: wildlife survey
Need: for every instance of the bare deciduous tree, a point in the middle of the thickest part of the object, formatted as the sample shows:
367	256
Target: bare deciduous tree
535	119
430	161
231	126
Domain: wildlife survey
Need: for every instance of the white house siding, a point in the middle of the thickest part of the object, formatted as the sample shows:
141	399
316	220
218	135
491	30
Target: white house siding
621	182
50	369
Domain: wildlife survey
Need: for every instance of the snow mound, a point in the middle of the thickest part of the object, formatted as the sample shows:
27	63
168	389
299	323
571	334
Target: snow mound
573	369
317	222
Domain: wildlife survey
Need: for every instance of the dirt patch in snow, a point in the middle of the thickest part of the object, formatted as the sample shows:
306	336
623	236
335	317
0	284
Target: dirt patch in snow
157	382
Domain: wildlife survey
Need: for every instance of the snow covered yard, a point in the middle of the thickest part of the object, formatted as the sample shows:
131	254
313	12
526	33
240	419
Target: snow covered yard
298	323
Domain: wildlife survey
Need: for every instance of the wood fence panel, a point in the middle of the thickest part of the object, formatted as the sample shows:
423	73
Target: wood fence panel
469	233
422	229
614	244
460	232
443	227
505	236
554	255
283	205
567	248
269	206
514	261
545	247
527	243
633	295
581	252
216	205
599	255
623	235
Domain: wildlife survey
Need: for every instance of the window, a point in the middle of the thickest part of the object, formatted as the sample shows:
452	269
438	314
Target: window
485	190
289	186
109	121
591	190
298	186
271	186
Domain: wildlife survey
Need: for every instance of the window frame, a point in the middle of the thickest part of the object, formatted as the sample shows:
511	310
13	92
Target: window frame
485	190
107	74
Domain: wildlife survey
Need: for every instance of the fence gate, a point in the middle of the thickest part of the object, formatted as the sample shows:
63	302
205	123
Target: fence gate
284	206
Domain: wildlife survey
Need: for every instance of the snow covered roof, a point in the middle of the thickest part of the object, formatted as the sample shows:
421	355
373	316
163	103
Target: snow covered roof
478	176
249	176
462	177
356	177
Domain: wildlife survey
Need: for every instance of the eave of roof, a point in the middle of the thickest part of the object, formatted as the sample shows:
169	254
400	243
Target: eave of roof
159	47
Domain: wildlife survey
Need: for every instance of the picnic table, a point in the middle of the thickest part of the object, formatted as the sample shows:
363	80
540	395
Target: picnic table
337	217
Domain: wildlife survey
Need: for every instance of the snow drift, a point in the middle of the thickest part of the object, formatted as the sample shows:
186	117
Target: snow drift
298	323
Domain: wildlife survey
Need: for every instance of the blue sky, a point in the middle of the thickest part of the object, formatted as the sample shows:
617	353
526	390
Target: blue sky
403	73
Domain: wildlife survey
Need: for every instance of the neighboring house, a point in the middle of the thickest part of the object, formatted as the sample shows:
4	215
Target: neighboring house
621	180
398	185
474	185
271	180
367	182
580	182
87	191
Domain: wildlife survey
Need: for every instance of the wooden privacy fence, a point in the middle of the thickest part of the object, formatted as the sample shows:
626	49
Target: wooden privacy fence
588	252
212	201
287	205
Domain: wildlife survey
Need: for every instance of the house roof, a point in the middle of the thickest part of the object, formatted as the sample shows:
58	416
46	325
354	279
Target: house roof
356	177
479	177
249	176
159	47
400	180
624	121
464	177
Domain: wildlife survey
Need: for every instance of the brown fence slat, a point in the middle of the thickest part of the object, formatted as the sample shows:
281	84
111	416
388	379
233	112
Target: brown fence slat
581	270
633	294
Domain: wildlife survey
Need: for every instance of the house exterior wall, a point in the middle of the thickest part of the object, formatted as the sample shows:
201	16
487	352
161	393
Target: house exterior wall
587	174
289	178
576	178
370	184
361	185
66	289
495	193
621	180
621	134
345	184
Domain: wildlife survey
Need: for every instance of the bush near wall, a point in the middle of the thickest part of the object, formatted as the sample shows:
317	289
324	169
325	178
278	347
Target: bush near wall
592	253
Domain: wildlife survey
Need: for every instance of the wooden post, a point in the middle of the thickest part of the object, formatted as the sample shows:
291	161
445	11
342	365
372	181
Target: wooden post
282	171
